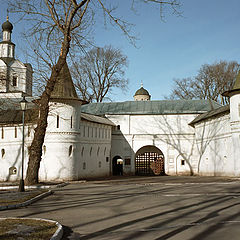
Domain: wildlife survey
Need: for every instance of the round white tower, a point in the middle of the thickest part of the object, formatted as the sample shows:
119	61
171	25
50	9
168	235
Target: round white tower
60	149
234	96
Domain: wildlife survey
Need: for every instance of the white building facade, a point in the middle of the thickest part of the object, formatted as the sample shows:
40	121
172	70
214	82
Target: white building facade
144	137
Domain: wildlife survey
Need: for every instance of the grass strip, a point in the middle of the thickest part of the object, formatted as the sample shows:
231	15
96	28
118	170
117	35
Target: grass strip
26	229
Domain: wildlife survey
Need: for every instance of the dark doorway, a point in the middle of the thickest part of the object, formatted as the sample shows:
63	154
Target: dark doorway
149	161
117	166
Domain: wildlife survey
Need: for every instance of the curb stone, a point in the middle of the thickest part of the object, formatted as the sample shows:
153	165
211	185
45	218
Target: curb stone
36	187
56	236
28	202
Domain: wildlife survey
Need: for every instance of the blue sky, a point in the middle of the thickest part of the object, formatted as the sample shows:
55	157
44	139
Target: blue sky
208	31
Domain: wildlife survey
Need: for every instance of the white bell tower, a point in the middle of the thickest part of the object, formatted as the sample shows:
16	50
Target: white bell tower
15	76
7	48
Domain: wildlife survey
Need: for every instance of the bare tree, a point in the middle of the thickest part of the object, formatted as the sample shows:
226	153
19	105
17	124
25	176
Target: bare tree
98	72
211	81
54	25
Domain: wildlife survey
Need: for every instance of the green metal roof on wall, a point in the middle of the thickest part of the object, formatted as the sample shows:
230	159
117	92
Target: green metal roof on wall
12	116
211	114
151	107
96	119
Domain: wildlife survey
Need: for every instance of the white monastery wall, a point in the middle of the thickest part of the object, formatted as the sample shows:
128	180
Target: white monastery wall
94	150
11	150
214	145
70	150
170	133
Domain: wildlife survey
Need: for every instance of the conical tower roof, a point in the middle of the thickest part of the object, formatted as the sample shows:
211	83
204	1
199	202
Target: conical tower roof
64	87
237	82
235	89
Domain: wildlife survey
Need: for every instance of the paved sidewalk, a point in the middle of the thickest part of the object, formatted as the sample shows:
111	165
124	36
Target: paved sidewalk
11	198
174	208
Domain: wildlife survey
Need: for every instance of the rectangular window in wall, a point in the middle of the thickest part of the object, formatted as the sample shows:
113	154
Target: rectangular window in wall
127	161
15	132
71	122
14	81
57	121
2	133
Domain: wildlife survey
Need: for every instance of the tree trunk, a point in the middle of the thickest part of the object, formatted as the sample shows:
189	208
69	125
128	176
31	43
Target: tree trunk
35	154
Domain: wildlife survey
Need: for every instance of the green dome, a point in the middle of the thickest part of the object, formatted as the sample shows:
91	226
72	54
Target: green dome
142	91
7	26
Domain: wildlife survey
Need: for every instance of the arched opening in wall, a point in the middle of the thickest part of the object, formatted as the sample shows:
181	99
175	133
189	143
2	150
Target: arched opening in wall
44	149
117	166
149	160
70	150
2	152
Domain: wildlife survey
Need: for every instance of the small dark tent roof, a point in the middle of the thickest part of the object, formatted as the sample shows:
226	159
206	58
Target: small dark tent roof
235	89
64	87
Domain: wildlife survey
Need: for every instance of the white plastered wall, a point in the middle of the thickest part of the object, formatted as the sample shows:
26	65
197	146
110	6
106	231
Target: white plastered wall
170	133
214	145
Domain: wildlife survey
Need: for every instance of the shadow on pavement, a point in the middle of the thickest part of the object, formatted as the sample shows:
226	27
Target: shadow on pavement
68	234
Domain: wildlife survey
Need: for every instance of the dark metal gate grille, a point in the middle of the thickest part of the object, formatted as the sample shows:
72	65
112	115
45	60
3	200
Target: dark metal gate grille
149	163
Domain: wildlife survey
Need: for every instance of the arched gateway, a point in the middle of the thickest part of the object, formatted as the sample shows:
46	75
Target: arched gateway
149	160
117	166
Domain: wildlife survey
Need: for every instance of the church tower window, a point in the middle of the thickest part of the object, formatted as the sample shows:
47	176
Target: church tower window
14	81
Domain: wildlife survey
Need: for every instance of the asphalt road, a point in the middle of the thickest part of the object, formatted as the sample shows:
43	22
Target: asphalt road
176	208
